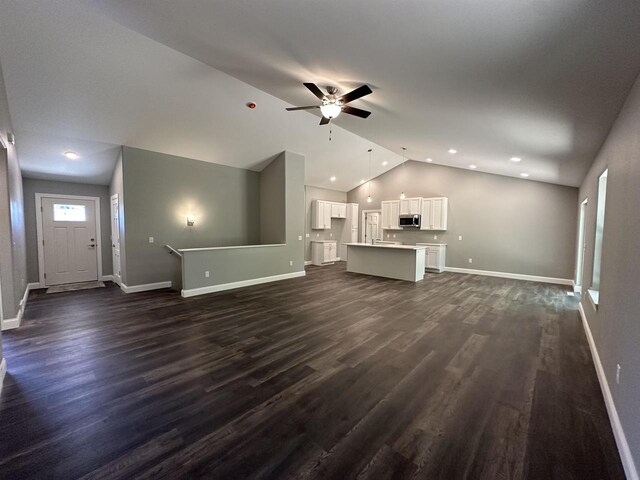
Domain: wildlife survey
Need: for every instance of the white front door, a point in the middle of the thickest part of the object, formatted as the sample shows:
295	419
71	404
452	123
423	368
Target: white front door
115	238
70	243
372	231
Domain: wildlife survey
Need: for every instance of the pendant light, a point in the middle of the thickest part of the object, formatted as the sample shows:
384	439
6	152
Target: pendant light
404	177
369	200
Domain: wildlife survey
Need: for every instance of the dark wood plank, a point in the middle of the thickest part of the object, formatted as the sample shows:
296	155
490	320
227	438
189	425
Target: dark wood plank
333	375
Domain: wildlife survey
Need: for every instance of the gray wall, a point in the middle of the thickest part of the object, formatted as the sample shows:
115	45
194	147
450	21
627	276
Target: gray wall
242	264
273	202
616	324
32	186
13	265
507	224
116	187
337	224
160	190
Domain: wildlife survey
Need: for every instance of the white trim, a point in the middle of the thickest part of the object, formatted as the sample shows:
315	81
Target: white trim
11	323
192	292
515	276
230	247
144	287
618	432
3	370
34	286
308	262
40	235
107	278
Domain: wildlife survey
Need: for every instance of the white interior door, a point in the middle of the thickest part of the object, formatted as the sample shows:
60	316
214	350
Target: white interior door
372	230
115	238
70	243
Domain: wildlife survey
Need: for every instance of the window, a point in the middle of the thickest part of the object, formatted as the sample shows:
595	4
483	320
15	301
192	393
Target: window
594	291
69	213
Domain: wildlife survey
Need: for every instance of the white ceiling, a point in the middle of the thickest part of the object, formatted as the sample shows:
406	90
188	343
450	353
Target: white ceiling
539	79
79	81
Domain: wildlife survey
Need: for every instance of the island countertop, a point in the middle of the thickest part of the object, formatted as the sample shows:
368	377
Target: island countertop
387	246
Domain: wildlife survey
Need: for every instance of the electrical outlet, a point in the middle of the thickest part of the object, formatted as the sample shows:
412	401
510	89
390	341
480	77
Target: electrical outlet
471	260
618	368
150	239
331	235
435	237
307	235
206	274
299	237
388	236
291	263
459	237
317	235
394	235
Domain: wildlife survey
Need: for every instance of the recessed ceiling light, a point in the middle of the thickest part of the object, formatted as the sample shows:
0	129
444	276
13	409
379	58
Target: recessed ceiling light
333	179
525	175
71	155
473	167
515	159
453	151
429	160
384	163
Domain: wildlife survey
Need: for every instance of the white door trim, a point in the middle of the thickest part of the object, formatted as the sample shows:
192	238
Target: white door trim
115	278
363	221
580	250
40	235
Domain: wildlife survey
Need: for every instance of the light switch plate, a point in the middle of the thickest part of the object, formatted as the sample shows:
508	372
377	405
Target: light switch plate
307	235
206	274
150	239
435	237
459	237
299	237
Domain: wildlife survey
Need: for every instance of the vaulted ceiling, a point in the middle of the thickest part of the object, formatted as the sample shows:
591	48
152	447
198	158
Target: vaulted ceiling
536	79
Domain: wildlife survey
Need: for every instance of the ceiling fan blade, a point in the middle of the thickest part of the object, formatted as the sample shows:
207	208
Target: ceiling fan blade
358	112
355	94
315	90
291	109
324	121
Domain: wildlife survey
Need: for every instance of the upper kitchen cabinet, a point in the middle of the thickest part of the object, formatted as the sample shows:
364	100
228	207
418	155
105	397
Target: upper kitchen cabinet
338	210
411	206
434	213
321	214
390	214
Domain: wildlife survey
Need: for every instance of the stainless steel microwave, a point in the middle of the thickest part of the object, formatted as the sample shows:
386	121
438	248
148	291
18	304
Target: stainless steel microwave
410	221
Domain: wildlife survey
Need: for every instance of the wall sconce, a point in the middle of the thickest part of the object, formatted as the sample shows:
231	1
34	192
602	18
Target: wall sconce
191	220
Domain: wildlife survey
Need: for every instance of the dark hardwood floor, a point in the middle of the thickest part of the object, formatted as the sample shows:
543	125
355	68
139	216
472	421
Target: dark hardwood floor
334	375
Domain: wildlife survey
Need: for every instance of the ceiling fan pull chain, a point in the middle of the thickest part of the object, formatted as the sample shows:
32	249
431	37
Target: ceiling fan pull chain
329	131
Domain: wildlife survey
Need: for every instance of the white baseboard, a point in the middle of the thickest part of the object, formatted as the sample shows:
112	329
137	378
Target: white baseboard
192	292
515	276
618	432
308	262
11	323
35	286
107	278
144	287
3	371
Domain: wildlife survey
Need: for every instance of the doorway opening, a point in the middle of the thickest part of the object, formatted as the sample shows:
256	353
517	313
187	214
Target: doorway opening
371	226
582	246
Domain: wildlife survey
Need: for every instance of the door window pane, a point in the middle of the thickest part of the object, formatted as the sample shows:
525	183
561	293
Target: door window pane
69	213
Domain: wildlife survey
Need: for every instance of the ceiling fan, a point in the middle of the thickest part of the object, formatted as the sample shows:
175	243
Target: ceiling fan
333	105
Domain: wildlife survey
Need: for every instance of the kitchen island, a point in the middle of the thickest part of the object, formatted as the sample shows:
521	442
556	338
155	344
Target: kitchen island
401	262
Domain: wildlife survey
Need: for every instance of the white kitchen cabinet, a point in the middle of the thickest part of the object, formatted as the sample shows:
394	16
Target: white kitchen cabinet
435	256
349	231
320	214
434	213
324	252
338	210
390	214
411	206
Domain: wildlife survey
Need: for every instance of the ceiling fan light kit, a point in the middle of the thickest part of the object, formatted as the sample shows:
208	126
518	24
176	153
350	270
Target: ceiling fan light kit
333	105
